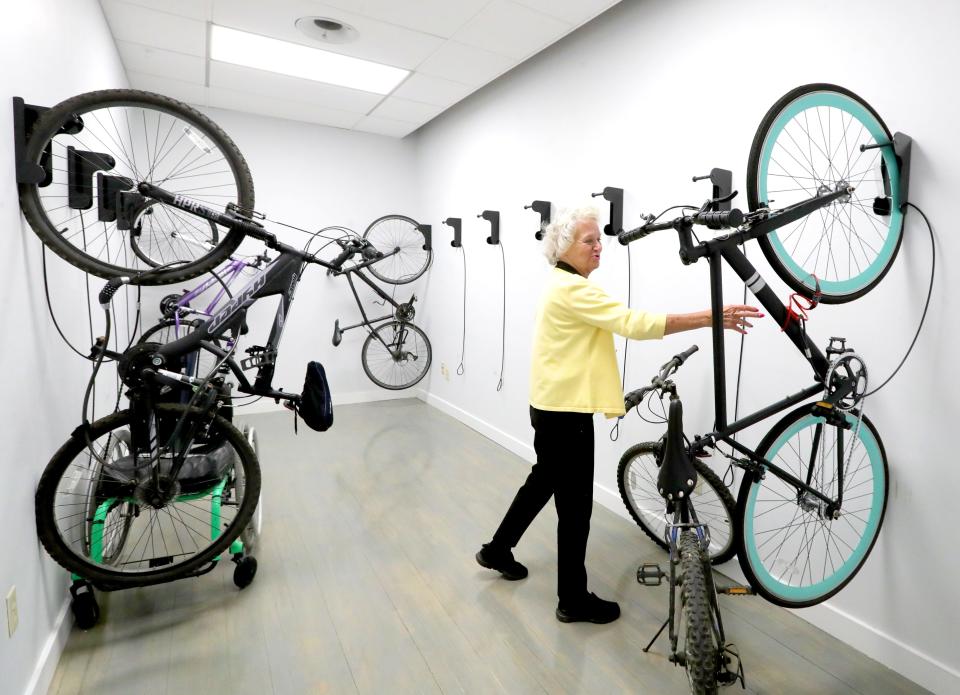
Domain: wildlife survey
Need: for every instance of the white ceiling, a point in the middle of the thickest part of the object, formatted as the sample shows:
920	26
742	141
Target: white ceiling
452	47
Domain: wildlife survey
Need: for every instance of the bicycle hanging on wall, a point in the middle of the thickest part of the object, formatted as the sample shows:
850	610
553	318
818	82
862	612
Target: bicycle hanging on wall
813	495
396	353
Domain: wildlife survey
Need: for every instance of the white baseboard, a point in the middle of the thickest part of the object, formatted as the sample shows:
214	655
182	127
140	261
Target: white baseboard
507	441
889	651
49	657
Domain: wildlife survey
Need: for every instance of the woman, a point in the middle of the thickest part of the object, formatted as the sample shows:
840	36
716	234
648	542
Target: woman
574	375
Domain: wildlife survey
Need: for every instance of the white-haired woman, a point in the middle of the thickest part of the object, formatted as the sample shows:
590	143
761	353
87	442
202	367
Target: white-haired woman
575	374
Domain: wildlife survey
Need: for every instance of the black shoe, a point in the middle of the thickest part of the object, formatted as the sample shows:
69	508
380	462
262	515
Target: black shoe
589	610
502	561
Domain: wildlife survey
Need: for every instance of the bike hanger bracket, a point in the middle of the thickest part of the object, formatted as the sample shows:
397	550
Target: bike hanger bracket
544	208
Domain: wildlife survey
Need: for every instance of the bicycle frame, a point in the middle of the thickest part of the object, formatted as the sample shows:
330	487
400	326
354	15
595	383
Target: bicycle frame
724	248
368	322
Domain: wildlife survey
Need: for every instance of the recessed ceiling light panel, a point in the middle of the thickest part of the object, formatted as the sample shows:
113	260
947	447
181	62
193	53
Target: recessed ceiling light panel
264	53
326	29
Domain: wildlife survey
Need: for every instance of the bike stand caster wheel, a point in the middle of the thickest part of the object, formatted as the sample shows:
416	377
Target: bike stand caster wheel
86	610
245	571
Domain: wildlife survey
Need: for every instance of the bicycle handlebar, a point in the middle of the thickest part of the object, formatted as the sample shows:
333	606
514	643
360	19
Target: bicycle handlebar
634	398
714	220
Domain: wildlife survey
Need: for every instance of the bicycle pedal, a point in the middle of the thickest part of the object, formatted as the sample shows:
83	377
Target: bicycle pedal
736	591
650	574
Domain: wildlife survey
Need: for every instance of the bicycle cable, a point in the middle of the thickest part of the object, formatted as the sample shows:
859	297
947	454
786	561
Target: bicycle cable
503	325
615	430
926	305
463	339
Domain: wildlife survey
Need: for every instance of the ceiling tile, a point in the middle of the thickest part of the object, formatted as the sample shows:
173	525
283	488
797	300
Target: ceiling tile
511	30
466	64
385	126
269	84
404	110
279	108
575	12
377	41
156	61
438	17
432	90
190	92
151	28
192	9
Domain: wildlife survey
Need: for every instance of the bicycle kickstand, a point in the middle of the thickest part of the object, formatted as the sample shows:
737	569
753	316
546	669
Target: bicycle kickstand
659	632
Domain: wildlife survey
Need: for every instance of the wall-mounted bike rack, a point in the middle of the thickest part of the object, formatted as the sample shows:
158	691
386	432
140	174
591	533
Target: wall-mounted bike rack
427	231
24	117
493	217
902	149
722	180
455	223
544	208
615	197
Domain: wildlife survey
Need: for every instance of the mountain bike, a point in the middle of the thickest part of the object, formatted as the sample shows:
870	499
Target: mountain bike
160	490
396	353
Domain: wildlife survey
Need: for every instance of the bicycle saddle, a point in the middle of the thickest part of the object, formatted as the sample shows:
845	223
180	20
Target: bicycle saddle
677	476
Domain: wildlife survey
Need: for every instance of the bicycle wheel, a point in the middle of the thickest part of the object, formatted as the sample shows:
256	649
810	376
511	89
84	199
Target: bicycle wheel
396	355
108	525
400	237
637	480
177	528
792	550
807	144
195	364
94	149
697	634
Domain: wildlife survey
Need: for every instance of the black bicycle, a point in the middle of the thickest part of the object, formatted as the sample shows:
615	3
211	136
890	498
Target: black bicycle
813	495
160	490
396	353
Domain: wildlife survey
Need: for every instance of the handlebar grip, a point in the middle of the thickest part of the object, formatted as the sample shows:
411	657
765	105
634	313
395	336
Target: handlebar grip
342	258
685	355
110	289
719	220
626	237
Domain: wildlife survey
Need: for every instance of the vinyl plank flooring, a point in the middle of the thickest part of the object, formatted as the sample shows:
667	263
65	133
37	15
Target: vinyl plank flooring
367	584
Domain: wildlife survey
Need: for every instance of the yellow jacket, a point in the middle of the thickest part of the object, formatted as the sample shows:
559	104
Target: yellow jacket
574	363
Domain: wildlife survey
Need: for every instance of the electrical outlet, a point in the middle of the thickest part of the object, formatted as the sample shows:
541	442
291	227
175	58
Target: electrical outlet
13	614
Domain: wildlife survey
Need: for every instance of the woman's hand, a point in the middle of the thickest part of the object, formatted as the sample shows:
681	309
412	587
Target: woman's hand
735	317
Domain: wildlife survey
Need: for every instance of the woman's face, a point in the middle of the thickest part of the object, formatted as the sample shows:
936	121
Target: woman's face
584	252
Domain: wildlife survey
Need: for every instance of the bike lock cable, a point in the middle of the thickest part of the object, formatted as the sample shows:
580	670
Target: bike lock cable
926	305
615	430
463	339
503	326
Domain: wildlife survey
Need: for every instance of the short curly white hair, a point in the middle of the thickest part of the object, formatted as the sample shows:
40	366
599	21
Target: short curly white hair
559	234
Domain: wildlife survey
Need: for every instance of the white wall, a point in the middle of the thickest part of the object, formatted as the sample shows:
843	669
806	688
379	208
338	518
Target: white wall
48	51
643	98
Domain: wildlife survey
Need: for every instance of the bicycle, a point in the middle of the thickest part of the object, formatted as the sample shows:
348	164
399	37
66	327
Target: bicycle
159	491
697	639
813	497
396	353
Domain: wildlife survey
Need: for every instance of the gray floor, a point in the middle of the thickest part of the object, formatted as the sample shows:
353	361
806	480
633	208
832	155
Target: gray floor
367	584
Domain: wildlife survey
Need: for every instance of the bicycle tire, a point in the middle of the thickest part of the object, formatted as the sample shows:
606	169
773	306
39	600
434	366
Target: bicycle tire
637	482
115	526
696	634
787	147
400	234
84	122
391	371
56	524
790	574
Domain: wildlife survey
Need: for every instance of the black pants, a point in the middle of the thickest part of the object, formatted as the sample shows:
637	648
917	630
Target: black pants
563	442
